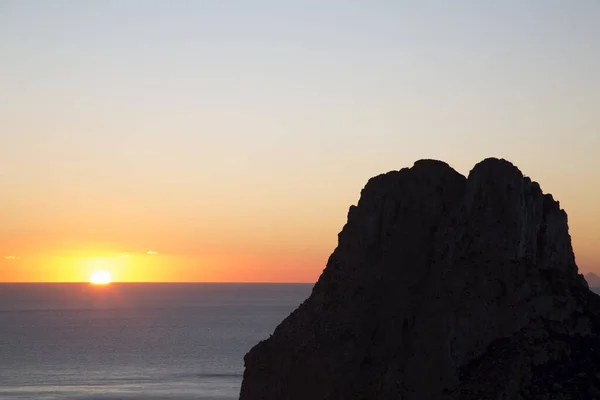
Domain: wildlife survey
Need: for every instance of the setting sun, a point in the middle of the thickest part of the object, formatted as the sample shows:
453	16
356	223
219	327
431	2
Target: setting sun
100	278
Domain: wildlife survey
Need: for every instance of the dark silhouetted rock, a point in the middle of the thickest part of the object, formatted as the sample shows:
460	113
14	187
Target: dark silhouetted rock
592	279
441	287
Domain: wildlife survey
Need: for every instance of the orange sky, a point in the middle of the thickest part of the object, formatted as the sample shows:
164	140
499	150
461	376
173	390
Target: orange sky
231	140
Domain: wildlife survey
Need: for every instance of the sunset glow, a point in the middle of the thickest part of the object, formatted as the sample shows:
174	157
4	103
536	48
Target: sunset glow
100	278
225	143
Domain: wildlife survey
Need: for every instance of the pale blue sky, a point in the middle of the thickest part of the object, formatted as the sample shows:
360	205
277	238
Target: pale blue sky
232	109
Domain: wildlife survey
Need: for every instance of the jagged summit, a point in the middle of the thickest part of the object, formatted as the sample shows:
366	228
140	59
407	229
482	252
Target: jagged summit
441	287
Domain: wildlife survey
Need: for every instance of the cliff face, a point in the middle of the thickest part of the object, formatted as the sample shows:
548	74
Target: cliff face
441	287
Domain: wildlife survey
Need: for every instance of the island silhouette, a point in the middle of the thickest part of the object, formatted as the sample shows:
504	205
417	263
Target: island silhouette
593	280
441	287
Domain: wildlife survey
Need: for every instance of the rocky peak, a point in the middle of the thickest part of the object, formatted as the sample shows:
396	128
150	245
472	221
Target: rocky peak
441	286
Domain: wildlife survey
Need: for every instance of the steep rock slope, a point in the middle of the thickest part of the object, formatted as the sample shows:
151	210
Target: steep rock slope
441	287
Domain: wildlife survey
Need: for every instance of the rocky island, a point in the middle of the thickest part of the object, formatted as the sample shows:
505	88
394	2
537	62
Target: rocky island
593	280
441	287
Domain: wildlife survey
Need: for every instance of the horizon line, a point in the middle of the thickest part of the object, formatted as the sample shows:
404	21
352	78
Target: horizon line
126	282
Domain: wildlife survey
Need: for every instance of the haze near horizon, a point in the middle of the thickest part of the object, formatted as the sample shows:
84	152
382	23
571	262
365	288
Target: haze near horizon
225	141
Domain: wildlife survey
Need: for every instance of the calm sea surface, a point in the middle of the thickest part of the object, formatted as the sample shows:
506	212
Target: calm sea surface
134	341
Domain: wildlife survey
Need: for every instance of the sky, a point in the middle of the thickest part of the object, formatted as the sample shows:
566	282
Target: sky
225	140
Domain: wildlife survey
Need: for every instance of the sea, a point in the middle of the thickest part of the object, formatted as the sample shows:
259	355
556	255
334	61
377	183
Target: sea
150	341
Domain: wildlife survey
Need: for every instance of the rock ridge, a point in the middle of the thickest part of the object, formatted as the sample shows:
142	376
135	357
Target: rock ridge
441	287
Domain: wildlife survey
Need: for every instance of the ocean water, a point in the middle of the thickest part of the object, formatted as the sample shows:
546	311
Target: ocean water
134	341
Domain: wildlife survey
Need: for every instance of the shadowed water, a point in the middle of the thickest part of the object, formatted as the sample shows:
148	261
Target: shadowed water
134	341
